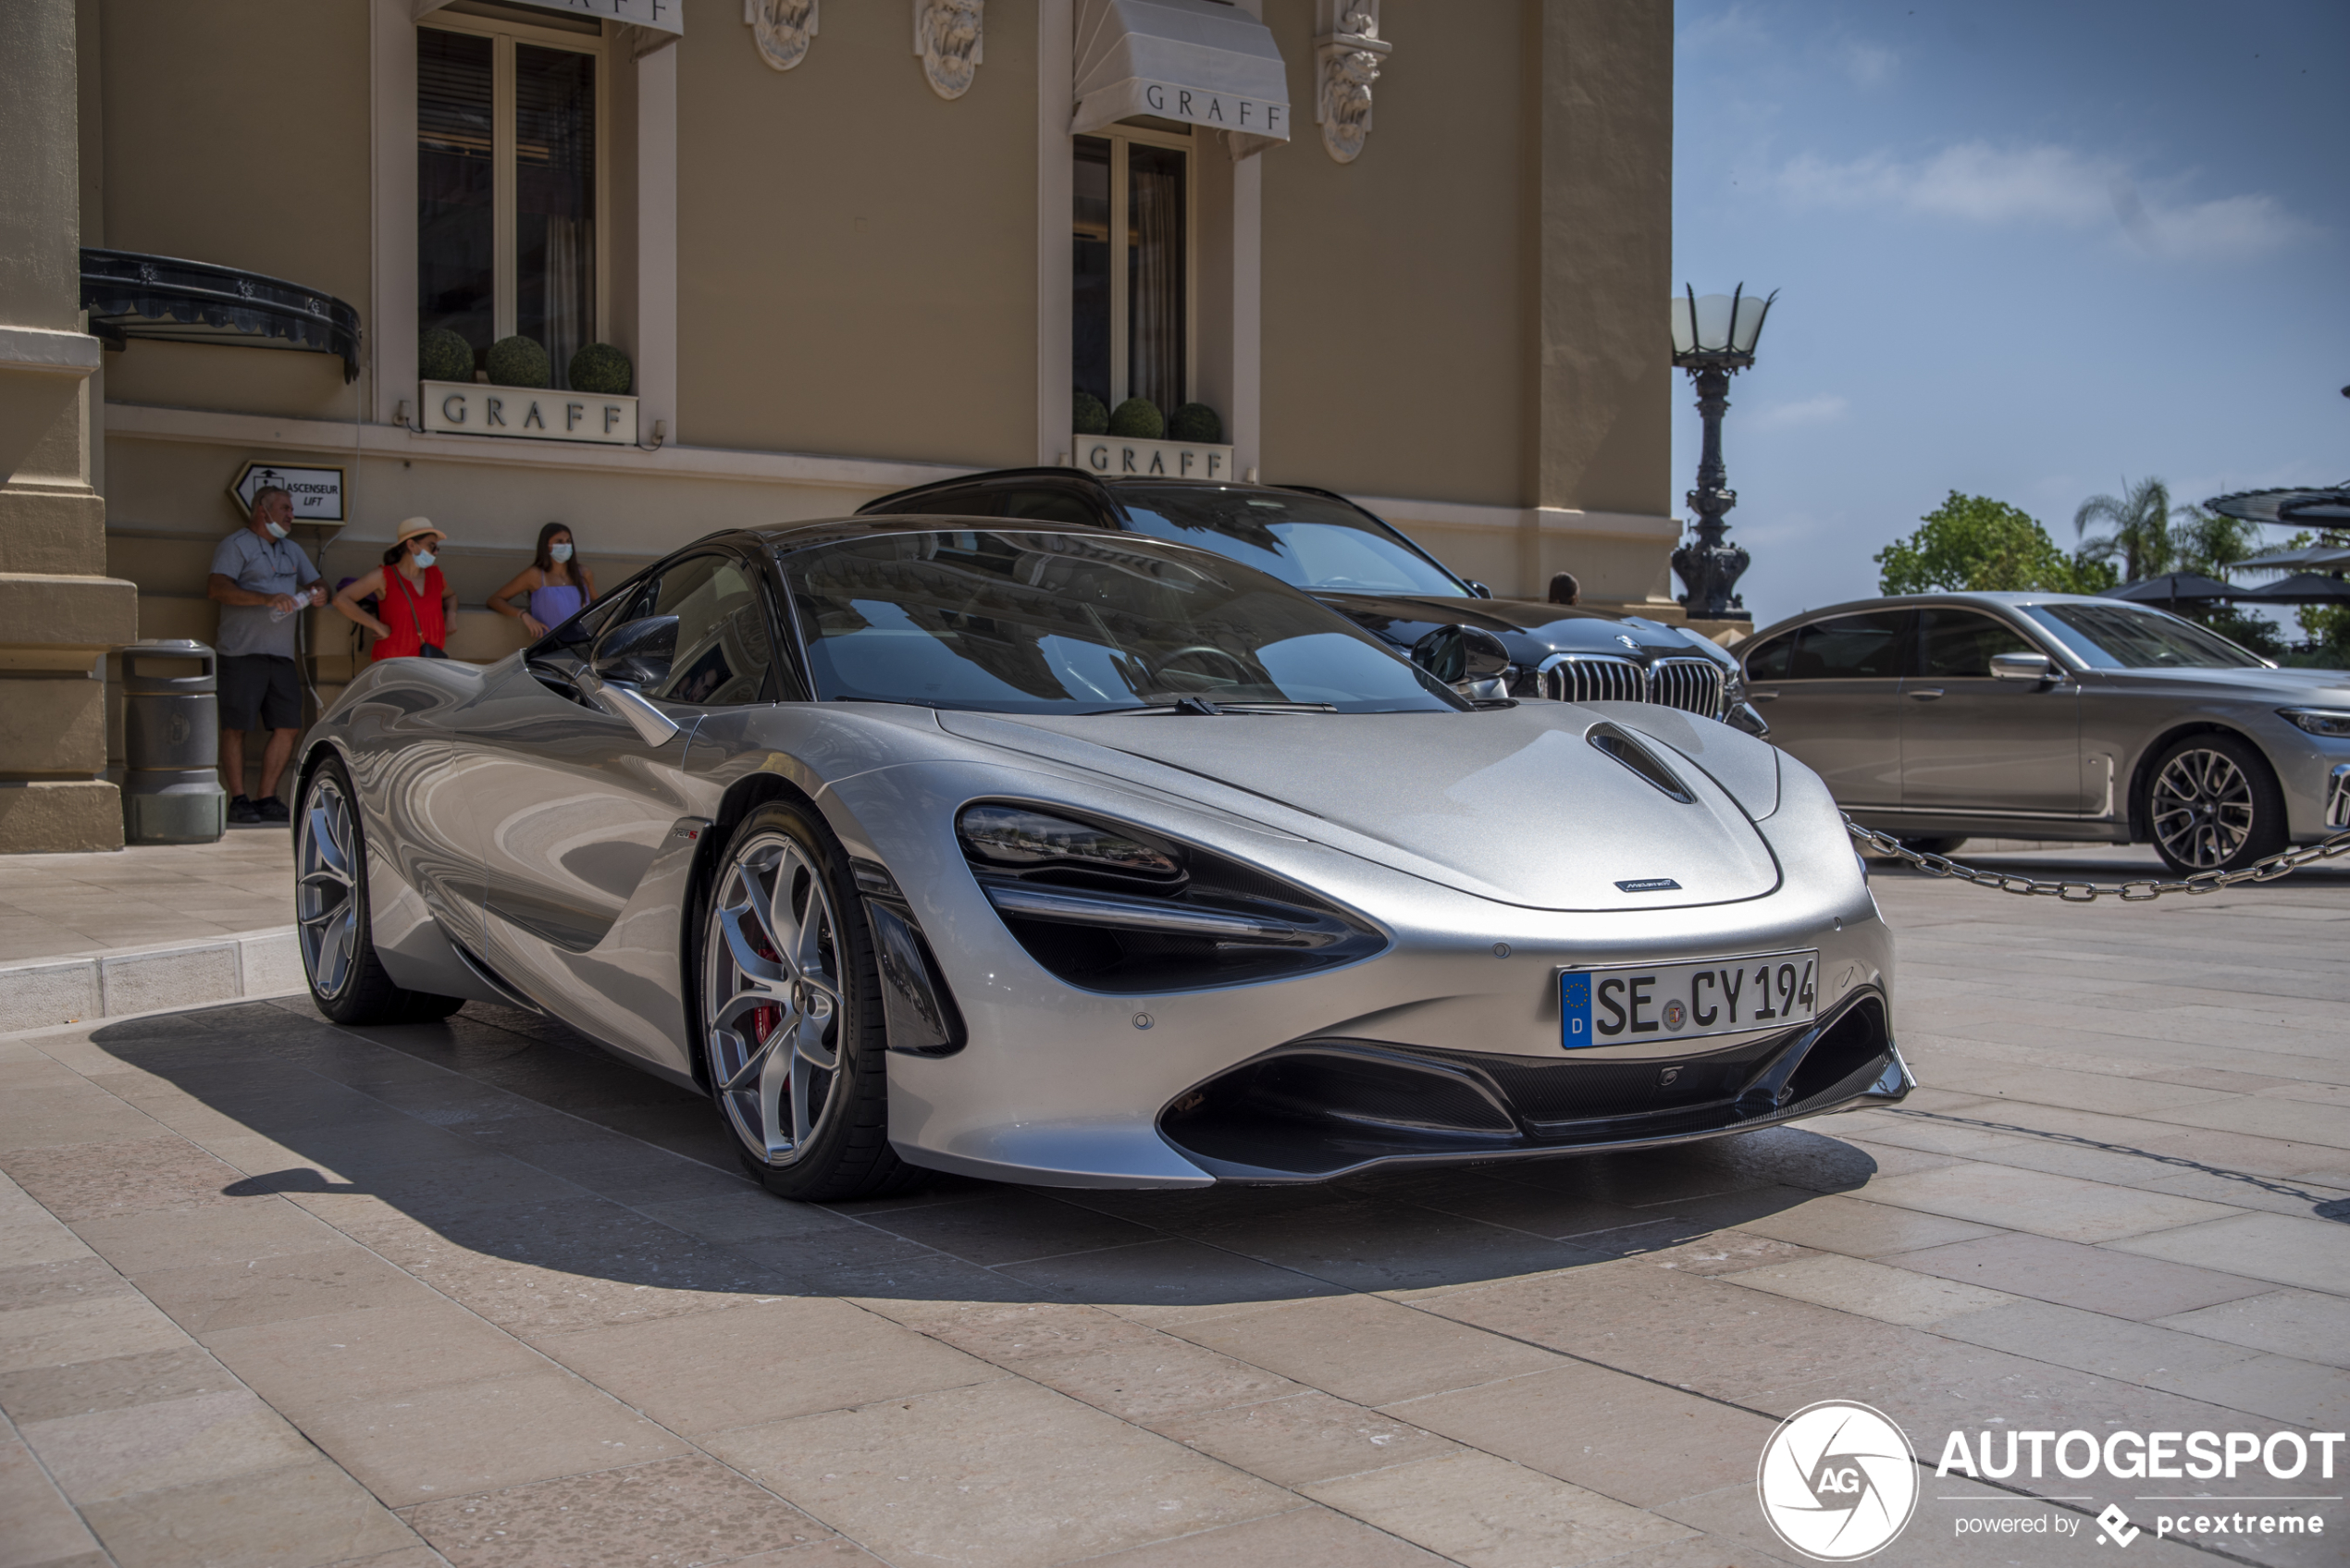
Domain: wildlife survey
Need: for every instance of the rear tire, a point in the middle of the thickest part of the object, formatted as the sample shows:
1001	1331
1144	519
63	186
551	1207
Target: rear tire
347	980
790	1014
2211	804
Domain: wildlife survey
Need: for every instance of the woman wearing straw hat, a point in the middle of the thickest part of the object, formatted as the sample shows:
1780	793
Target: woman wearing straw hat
414	602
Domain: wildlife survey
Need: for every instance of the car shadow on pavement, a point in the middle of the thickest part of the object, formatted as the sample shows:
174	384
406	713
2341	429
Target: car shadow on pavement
502	1156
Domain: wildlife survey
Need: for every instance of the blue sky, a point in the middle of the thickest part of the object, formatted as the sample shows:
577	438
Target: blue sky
2023	250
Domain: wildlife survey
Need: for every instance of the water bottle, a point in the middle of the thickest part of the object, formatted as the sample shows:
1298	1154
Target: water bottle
303	599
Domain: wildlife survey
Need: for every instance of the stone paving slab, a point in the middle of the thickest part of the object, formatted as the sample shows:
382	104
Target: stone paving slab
273	1291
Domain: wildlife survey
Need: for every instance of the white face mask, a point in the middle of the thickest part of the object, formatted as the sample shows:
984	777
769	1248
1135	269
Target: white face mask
559	552
423	557
276	530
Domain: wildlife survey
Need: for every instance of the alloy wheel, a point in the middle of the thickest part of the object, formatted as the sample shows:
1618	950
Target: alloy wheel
327	887
2202	807
772	997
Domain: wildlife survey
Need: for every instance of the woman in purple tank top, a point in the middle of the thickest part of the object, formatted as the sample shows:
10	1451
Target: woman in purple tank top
559	586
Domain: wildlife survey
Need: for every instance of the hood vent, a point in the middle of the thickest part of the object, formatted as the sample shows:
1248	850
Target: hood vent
1638	758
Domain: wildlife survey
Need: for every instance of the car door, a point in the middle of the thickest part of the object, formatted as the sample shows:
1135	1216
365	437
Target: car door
1969	742
1832	692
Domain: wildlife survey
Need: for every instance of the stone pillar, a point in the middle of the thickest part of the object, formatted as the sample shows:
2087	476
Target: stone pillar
1603	178
59	611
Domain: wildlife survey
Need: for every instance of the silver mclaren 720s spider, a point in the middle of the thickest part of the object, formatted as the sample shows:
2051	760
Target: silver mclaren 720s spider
1052	856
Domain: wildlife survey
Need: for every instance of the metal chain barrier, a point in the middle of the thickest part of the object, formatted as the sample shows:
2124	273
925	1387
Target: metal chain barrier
2269	869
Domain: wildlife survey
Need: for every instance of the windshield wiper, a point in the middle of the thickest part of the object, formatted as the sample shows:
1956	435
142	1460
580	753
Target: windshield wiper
1200	706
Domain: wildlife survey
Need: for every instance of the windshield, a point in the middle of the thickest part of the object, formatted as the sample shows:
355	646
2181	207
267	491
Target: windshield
1307	541
1015	623
2120	636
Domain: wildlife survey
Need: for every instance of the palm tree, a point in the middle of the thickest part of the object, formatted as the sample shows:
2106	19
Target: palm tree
2140	517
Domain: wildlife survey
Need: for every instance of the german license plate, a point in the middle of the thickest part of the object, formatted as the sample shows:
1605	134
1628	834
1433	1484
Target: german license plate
1649	1003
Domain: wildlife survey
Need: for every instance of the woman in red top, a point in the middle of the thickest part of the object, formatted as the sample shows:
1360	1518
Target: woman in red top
414	603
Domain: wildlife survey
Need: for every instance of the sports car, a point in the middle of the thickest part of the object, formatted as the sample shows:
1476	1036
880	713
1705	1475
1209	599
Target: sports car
1051	855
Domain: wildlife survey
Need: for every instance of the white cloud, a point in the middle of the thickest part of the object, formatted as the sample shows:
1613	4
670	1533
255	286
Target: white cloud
1824	409
1975	182
1867	64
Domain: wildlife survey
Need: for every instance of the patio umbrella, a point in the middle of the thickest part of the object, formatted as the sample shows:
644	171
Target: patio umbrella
2173	588
2312	506
2302	588
2310	558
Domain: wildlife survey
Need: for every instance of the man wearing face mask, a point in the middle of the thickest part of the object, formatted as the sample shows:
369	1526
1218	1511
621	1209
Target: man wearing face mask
259	578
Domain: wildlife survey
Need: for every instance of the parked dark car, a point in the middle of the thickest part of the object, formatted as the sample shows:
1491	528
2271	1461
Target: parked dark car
1370	573
2052	716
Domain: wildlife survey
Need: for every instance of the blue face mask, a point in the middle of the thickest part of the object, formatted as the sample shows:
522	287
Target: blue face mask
423	557
276	530
558	553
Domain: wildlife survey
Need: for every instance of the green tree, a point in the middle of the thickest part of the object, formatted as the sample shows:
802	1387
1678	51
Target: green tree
2209	542
1975	543
2140	520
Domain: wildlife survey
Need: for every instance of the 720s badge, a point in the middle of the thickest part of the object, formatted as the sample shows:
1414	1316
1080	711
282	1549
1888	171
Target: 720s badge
1658	1002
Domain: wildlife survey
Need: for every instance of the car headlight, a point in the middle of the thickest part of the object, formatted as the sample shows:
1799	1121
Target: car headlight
2331	722
1016	839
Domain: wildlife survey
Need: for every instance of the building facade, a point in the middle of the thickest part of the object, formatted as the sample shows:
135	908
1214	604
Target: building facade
1413	250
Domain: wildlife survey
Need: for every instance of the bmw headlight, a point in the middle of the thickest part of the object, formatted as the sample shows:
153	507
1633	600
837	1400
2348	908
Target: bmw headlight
1015	838
2331	723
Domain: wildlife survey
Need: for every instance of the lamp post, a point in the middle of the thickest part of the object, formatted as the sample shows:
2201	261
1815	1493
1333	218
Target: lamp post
1714	338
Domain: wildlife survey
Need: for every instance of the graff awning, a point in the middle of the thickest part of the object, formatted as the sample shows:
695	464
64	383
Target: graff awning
129	295
1201	61
663	16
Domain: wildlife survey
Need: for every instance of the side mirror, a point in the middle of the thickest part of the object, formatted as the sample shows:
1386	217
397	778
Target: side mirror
2024	667
1461	655
1479	590
638	651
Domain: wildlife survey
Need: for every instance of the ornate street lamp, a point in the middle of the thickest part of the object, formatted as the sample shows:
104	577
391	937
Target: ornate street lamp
1712	339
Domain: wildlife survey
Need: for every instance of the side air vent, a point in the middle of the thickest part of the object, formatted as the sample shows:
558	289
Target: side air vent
1638	758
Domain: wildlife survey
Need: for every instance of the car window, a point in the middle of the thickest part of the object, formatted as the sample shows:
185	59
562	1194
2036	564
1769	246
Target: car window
1046	504
1308	541
1960	642
2126	636
947	503
1852	646
723	646
1771	662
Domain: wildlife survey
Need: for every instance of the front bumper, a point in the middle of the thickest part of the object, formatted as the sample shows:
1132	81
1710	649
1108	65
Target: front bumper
1323	1108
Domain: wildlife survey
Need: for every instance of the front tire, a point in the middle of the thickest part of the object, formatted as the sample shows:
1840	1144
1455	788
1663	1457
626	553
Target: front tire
2212	804
791	1014
347	980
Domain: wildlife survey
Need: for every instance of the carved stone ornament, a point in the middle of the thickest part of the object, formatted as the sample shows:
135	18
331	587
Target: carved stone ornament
951	37
782	28
1348	52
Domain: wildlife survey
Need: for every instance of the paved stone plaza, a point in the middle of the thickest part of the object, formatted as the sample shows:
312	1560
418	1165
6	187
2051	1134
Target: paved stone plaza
280	1293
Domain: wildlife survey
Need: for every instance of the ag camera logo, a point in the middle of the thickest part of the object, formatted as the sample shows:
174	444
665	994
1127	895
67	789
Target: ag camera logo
1838	1481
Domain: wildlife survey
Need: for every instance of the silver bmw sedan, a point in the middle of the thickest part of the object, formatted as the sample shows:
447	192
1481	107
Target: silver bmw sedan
1937	716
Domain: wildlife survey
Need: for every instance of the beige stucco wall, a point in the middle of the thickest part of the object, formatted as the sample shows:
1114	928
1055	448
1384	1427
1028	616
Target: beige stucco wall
857	255
1396	320
235	133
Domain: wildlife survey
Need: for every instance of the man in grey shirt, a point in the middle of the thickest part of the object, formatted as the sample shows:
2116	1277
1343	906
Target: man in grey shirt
260	578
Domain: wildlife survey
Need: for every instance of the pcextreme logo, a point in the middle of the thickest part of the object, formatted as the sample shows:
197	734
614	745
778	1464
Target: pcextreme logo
1837	1481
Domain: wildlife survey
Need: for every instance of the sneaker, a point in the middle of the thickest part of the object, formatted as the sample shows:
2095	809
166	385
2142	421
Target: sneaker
243	810
273	809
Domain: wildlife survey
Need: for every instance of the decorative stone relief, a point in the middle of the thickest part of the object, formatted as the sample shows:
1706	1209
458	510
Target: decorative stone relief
1348	53
782	28
951	38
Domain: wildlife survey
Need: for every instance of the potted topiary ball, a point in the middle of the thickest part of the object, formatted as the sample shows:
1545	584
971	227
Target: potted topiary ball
1197	425
601	369
1138	419
1088	415
519	362
444	355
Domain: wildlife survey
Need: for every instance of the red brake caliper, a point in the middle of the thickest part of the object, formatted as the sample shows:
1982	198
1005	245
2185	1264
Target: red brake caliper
765	1018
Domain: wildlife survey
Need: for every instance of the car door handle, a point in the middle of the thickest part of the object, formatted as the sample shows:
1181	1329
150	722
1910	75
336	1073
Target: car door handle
1762	697
1924	694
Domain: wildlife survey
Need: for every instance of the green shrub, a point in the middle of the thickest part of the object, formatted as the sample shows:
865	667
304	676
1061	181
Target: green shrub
1197	424
519	362
444	355
1088	415
1138	419
602	369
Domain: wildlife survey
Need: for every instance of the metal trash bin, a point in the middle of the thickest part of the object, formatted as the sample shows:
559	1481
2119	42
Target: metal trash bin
172	790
